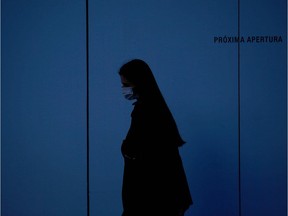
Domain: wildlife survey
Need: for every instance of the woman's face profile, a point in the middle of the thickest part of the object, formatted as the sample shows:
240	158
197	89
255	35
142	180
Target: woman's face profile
125	82
127	89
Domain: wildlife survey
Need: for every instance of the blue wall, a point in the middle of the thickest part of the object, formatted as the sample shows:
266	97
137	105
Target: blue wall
43	108
264	110
44	98
197	78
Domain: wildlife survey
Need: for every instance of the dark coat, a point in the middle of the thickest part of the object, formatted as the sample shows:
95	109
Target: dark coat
154	181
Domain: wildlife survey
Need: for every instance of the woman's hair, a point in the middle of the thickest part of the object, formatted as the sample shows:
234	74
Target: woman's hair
140	75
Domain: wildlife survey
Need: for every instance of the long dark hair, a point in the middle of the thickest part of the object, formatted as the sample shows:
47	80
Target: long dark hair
139	73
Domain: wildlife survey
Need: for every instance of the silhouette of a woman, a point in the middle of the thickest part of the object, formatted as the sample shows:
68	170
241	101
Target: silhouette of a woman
154	180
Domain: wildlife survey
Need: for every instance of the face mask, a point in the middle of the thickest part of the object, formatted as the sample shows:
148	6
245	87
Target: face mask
128	93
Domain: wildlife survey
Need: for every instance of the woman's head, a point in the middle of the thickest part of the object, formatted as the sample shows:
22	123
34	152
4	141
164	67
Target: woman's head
137	74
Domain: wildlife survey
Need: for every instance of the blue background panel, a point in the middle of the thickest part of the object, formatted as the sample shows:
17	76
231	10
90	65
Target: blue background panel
264	109
198	80
43	108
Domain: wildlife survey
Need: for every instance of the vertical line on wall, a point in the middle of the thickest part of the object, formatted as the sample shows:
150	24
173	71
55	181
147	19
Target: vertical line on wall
87	108
239	114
